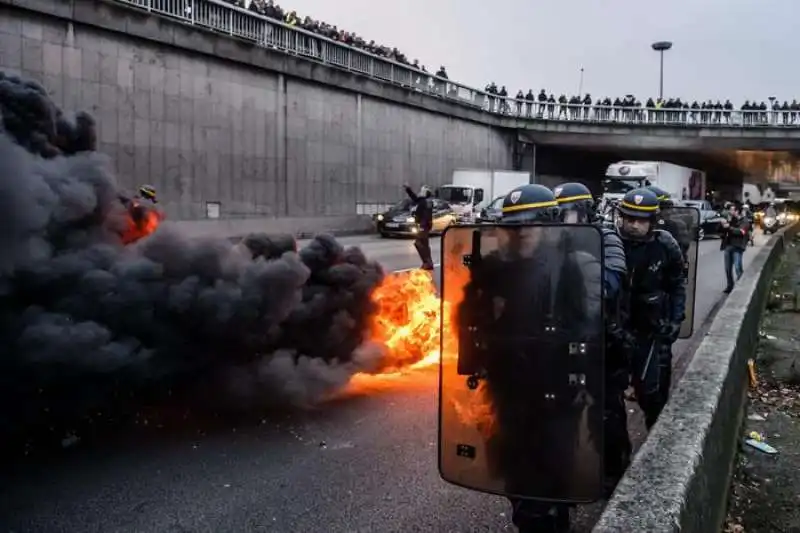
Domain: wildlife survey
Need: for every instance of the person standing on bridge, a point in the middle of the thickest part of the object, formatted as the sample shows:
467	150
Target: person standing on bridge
423	214
736	234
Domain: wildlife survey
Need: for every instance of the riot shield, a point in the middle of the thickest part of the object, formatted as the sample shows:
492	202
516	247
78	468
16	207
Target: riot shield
522	370
684	224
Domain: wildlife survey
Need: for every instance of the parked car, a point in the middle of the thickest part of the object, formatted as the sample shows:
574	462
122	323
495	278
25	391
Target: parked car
710	219
492	212
399	220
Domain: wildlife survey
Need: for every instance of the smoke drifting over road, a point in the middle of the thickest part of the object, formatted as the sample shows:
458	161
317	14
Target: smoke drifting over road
87	323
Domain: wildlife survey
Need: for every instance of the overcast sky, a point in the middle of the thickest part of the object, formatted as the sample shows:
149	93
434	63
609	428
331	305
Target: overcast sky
737	49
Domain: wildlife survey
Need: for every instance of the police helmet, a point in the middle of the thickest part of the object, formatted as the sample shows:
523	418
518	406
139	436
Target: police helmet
664	198
575	197
530	203
148	192
639	203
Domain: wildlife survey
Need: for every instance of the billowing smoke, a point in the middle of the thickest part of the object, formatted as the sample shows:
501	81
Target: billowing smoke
88	325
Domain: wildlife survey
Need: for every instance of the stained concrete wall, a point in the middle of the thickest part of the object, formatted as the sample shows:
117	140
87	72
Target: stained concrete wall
205	129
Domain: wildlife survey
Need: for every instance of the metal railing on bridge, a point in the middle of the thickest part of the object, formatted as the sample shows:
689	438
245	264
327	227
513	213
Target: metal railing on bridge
224	18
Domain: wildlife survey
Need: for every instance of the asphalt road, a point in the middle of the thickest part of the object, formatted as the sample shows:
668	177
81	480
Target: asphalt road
364	463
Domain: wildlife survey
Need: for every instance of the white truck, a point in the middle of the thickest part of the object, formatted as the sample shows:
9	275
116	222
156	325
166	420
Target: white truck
682	183
470	189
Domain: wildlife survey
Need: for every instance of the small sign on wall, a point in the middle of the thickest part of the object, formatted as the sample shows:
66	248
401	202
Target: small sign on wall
212	209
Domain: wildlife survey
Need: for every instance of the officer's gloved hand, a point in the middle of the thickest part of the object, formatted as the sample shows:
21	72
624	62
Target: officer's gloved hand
669	331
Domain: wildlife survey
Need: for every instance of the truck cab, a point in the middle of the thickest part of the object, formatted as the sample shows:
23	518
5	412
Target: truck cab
464	199
472	189
625	176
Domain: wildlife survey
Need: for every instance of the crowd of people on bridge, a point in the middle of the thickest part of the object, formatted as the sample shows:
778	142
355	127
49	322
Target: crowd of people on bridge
546	105
629	108
269	8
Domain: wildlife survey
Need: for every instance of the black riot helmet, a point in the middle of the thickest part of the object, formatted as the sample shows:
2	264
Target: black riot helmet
638	210
639	203
530	203
148	192
575	198
664	198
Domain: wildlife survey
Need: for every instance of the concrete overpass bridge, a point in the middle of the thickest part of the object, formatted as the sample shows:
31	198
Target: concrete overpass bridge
708	139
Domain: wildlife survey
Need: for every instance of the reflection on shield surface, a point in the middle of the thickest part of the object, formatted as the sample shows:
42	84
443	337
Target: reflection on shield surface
685	225
521	375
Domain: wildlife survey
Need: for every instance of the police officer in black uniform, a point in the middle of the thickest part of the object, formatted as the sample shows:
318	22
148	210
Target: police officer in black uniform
577	206
656	298
526	291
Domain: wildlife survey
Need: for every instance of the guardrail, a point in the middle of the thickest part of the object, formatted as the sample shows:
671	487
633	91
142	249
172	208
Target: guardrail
679	479
241	23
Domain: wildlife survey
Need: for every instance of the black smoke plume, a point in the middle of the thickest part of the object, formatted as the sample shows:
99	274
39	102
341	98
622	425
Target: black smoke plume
88	325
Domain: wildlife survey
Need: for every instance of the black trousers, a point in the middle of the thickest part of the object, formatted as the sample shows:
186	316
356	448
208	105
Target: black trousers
422	243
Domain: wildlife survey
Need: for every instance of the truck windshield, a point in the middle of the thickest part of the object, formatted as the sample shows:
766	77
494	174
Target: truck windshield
620	186
456	195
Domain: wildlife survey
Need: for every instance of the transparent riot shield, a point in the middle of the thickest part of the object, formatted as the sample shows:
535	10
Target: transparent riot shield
684	224
522	368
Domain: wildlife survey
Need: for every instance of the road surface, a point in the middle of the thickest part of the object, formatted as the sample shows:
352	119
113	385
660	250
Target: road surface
364	463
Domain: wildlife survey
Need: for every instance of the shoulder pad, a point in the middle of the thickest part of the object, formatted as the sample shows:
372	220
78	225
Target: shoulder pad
613	250
666	239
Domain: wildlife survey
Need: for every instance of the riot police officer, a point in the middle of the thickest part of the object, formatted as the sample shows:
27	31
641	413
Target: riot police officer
656	298
423	214
531	284
674	225
576	206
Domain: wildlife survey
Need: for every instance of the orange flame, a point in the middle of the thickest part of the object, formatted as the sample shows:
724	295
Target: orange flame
142	221
408	322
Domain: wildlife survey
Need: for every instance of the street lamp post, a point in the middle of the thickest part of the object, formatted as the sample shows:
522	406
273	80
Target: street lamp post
661	47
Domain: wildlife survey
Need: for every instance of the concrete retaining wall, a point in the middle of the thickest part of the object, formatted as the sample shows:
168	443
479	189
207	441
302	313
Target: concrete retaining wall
679	479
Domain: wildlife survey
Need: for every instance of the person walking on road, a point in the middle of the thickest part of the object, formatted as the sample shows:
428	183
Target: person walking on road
423	214
736	234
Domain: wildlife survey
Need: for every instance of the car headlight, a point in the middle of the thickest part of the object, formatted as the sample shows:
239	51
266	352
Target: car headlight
410	220
379	218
